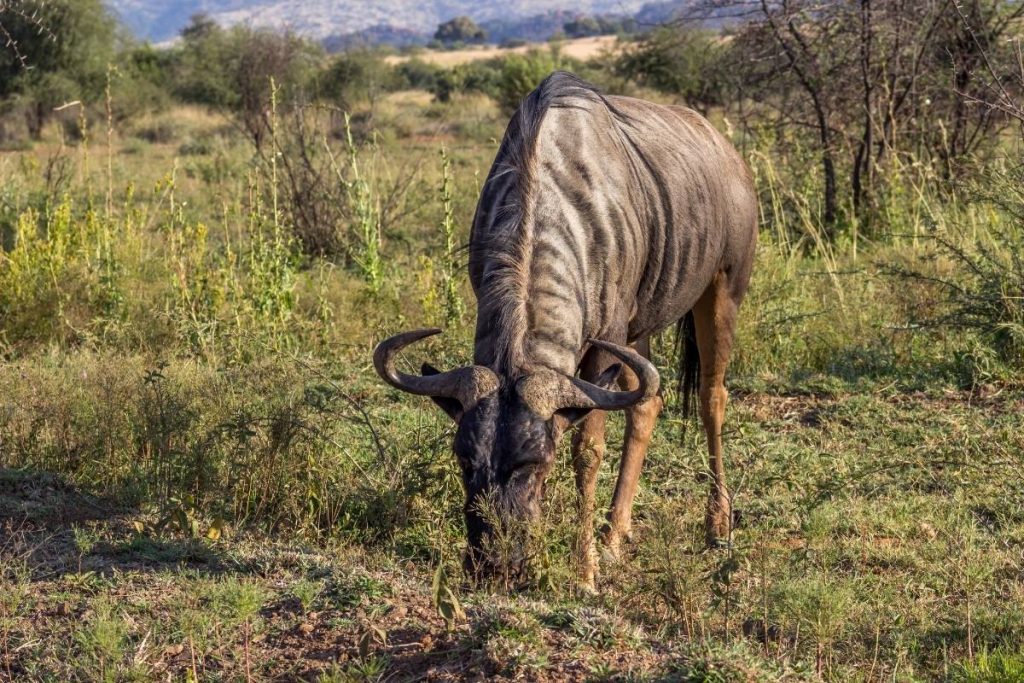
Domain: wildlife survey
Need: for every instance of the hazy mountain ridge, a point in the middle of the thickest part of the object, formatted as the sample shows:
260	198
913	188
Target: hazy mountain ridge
157	20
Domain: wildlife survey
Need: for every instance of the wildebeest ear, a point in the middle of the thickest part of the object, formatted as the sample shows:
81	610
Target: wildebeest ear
448	405
606	380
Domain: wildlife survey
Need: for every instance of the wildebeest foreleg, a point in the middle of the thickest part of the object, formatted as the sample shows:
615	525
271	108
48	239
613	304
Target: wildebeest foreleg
715	322
587	453
640	421
588	448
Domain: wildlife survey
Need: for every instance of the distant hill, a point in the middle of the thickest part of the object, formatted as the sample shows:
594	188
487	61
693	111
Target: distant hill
383	20
536	28
381	34
663	11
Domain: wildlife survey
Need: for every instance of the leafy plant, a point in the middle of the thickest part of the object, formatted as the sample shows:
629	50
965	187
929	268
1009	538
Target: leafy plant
445	601
983	291
366	216
307	591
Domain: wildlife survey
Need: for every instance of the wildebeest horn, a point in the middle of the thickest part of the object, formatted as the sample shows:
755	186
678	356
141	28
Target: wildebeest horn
547	391
466	385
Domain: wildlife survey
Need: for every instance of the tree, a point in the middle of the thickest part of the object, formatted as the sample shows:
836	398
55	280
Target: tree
54	51
460	30
204	74
232	69
866	82
685	62
520	74
582	27
358	74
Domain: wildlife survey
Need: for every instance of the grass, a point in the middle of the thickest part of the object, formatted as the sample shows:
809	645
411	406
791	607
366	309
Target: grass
869	542
203	478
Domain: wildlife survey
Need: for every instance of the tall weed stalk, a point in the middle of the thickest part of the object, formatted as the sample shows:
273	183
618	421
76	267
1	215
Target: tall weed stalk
366	217
454	307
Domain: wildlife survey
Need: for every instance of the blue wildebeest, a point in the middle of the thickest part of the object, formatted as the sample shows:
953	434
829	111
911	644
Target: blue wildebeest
603	221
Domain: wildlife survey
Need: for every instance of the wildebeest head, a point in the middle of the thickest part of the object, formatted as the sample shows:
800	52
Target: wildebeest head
508	431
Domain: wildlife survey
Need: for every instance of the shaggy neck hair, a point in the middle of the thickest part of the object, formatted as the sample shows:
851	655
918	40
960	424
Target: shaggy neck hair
506	246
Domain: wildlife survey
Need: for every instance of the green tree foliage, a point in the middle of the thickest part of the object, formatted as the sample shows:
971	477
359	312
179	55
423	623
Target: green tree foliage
358	75
508	79
460	30
204	73
483	77
688	63
418	74
582	27
520	74
599	26
233	68
141	81
54	51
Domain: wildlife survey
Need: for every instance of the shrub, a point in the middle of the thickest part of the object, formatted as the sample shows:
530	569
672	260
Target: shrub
359	75
140	82
200	146
482	77
520	74
686	63
460	30
982	293
160	131
235	69
418	74
55	51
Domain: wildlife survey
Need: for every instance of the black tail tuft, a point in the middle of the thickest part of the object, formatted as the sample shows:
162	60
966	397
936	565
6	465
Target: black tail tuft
689	363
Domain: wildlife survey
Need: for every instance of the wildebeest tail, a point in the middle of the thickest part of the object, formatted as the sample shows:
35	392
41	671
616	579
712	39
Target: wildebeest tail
689	363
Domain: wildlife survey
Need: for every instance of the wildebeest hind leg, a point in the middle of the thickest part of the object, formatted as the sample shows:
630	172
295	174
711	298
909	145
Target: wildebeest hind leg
715	323
640	421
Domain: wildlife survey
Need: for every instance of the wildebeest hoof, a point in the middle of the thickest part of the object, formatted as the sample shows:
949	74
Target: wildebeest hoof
715	543
718	523
588	588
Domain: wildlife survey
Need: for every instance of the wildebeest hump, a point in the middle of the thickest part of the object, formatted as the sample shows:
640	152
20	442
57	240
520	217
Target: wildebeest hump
608	223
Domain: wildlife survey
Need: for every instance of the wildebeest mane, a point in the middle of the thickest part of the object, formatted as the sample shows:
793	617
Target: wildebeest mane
504	251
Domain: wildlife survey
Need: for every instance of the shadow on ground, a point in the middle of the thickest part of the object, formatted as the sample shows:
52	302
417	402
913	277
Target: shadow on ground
55	529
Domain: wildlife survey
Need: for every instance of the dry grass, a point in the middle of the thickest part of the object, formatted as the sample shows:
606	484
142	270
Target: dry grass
583	49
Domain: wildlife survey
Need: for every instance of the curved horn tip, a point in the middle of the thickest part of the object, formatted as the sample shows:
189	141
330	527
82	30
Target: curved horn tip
385	352
414	335
397	341
650	379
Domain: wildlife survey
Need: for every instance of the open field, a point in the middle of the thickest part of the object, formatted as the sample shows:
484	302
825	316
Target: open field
583	49
202	477
874	526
